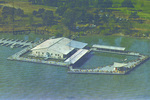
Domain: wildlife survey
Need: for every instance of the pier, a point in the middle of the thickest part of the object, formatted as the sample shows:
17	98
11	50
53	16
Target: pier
18	57
112	49
14	43
115	69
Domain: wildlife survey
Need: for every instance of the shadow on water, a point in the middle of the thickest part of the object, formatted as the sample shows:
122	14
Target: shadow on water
83	60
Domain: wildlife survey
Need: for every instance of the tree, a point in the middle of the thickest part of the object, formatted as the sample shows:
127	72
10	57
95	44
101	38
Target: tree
60	10
33	1
34	13
96	19
69	18
41	10
127	3
48	18
100	3
134	15
8	13
126	27
50	2
19	12
108	3
31	19
82	3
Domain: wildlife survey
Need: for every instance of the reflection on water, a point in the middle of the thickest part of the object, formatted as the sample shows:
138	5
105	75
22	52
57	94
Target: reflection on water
30	81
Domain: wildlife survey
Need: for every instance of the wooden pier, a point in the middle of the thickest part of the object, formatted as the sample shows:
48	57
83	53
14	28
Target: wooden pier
15	43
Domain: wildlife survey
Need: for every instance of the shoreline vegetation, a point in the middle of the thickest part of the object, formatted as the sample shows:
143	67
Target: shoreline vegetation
64	19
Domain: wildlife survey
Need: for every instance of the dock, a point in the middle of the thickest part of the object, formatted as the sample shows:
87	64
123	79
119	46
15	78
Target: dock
116	68
111	69
15	43
76	56
112	49
18	57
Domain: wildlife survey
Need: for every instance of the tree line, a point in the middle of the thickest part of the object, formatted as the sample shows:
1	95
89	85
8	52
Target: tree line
81	3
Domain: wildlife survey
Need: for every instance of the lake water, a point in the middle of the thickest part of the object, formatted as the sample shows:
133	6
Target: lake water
31	81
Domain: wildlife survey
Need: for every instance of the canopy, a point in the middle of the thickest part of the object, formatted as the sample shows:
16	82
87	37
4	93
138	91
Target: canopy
119	64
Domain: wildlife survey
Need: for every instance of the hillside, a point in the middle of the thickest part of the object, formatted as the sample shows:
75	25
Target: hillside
61	20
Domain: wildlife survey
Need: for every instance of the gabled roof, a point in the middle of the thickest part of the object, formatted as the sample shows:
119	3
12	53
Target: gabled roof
61	48
47	43
61	45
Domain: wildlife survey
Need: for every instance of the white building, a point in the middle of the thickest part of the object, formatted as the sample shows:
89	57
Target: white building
58	48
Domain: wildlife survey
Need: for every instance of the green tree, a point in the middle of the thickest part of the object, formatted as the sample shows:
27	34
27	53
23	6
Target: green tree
31	19
69	18
19	12
108	3
127	3
134	15
8	13
48	18
100	3
126	27
60	10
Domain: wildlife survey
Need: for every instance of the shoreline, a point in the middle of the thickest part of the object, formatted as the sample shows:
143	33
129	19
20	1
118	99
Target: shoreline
26	32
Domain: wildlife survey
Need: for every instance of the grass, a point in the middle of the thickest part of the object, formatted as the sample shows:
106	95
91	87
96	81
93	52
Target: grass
27	7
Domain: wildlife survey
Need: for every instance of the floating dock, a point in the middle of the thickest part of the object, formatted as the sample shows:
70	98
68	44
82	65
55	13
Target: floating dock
14	43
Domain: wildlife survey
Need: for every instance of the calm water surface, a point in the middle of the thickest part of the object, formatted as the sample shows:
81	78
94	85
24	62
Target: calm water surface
31	81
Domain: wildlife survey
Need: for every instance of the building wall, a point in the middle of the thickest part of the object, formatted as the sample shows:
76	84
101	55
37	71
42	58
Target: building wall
47	53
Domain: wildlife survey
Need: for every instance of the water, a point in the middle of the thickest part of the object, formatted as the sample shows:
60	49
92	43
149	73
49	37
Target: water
31	81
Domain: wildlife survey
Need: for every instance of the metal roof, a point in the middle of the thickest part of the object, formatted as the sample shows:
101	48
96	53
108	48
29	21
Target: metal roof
119	64
108	47
62	45
76	56
46	43
61	48
77	44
